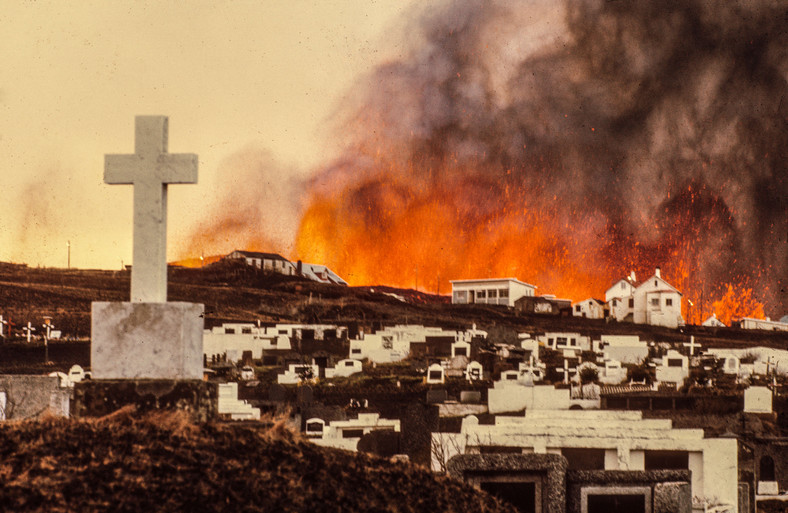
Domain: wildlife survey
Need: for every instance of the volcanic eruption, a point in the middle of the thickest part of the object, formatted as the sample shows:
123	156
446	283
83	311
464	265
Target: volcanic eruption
566	146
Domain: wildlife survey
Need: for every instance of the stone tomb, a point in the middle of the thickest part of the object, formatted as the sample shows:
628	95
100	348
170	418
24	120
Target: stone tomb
146	340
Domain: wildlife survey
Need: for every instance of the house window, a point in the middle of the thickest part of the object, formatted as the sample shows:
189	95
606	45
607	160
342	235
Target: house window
655	283
668	302
614	302
572	342
560	341
481	295
654	301
623	285
355	350
229	331
577	308
273	341
246	331
492	293
349	364
283	332
632	302
502	293
461	296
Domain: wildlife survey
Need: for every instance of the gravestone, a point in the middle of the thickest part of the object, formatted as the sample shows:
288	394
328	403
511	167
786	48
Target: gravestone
758	400
148	351
148	337
437	396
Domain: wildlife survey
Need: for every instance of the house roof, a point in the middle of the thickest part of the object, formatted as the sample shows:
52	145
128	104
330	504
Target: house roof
255	254
598	301
321	273
491	280
671	288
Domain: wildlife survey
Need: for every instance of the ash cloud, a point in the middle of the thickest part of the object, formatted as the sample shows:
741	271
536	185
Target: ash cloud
659	128
256	206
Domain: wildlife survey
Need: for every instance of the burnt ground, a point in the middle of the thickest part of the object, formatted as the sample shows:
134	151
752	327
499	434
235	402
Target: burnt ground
236	292
163	462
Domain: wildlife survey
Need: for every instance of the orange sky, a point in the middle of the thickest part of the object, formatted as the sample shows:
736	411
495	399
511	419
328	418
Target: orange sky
232	76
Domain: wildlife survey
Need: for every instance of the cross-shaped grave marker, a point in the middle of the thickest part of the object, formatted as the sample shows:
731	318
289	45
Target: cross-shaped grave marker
692	345
3	322
29	329
566	370
150	169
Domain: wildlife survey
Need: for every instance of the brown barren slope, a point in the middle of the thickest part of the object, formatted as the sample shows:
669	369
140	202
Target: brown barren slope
162	462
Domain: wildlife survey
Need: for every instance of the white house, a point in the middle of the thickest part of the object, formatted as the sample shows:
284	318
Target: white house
749	323
654	301
619	298
606	440
590	309
713	322
265	261
496	291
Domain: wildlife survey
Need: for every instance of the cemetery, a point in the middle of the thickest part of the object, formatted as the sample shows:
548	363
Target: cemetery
622	405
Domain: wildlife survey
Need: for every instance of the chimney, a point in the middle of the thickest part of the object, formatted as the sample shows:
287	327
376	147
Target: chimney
657	273
299	268
632	276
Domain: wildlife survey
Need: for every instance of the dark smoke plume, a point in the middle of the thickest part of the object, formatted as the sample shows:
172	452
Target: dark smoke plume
657	129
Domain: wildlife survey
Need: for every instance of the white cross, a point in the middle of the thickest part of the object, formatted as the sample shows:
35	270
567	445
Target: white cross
29	330
3	322
48	326
692	345
150	169
566	371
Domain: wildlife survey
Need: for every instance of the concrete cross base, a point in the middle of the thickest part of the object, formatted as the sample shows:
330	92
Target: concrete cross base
96	398
146	340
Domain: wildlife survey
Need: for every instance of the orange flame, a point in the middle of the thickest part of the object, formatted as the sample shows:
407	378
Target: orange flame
737	303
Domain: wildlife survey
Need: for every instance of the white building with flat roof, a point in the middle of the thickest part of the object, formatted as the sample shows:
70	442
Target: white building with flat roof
495	291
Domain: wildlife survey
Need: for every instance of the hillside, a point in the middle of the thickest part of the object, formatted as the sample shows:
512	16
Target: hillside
162	462
236	292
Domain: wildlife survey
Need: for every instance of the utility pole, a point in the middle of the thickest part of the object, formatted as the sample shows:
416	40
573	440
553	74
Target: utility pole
68	245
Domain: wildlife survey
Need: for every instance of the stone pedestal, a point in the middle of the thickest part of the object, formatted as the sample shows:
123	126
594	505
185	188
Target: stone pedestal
146	341
96	398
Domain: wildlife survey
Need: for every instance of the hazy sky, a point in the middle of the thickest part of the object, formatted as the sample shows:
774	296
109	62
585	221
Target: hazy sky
230	75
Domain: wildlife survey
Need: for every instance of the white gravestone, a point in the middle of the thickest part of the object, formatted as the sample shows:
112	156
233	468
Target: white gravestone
148	337
758	400
149	169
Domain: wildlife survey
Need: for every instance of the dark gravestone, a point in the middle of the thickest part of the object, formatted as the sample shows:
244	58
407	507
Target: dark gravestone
277	393
520	495
385	443
437	396
470	397
611	503
305	395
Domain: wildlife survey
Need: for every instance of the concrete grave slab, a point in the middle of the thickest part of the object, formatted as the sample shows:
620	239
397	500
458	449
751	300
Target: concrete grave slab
146	340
